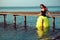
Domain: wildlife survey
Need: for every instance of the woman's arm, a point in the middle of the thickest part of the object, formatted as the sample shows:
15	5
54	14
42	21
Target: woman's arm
50	15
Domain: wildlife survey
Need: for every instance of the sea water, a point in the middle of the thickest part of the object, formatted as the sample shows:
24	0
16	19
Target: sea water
29	9
31	20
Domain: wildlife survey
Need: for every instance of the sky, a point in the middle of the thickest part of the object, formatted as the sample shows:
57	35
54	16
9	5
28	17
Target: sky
25	3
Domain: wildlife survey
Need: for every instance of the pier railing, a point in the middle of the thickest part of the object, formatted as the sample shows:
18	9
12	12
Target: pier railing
55	14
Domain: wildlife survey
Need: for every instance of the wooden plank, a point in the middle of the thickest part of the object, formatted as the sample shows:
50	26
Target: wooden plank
55	14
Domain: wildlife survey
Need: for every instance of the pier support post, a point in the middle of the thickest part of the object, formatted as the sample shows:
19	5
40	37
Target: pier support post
53	24
5	21
25	22
14	21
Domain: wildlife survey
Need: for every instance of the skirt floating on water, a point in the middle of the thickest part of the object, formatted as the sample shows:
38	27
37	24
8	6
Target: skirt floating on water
45	25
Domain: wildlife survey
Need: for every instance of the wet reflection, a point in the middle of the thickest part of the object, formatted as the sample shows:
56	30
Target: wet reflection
9	33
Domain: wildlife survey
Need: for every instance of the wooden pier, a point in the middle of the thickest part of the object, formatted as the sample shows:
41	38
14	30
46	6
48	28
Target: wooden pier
55	14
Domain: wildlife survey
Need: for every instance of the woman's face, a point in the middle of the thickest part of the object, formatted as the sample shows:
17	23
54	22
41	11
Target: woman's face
41	6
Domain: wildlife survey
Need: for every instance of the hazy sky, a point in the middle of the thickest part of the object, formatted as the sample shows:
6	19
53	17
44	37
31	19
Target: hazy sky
29	2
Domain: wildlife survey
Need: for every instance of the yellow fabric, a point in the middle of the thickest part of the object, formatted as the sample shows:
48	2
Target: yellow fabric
39	25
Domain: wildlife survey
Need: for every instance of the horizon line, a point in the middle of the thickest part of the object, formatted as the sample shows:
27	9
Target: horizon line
28	6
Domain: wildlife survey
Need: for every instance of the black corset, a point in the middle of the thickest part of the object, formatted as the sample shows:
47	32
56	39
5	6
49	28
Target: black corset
43	13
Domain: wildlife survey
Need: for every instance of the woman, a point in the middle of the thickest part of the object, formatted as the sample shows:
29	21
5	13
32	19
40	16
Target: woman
42	24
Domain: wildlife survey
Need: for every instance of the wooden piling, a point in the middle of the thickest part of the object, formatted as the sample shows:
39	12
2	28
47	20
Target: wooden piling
53	28
14	21
25	22
5	21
